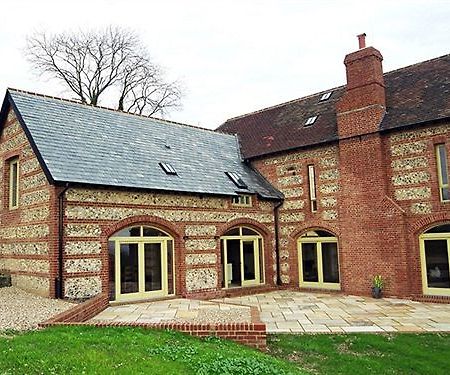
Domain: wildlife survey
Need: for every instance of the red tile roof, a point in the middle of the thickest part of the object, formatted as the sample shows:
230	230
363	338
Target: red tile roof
414	94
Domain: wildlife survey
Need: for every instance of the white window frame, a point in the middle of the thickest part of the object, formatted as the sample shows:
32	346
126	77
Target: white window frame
439	161
242	200
14	193
312	188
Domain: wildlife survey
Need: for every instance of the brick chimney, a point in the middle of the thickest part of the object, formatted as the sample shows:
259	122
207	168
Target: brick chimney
364	92
365	210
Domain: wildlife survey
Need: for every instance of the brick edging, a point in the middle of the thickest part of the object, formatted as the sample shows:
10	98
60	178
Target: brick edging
80	312
252	334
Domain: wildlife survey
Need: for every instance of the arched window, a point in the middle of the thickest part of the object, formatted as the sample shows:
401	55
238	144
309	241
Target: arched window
435	260
242	258
318	260
141	263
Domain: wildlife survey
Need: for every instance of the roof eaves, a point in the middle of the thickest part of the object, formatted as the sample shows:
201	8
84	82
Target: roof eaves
4	112
413	124
164	191
35	149
282	151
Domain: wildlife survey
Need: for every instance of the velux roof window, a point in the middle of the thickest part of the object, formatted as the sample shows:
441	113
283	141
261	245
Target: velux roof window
325	96
311	120
168	168
237	180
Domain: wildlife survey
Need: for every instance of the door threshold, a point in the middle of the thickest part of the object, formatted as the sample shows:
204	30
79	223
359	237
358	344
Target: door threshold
145	300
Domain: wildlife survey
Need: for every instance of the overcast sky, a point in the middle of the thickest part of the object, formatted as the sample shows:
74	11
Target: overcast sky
237	56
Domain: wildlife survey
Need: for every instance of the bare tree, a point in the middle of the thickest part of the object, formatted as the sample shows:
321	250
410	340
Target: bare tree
90	63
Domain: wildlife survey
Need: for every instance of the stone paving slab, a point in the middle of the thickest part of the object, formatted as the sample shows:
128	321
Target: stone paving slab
176	310
293	311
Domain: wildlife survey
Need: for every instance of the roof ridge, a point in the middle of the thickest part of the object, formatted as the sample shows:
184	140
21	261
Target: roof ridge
282	104
73	101
417	63
323	91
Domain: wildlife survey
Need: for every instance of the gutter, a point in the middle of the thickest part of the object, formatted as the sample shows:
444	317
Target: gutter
59	282
277	242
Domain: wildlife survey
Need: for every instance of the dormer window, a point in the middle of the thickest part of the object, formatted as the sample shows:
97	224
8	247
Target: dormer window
325	96
168	168
311	120
237	180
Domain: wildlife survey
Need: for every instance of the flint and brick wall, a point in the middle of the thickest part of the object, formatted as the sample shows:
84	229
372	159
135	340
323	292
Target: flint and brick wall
196	224
27	234
413	177
289	173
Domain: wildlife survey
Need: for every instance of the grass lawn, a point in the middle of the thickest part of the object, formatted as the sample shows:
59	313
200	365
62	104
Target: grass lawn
366	353
124	350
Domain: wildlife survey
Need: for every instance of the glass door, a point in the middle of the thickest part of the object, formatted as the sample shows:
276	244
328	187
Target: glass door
141	270
318	260
153	267
129	268
249	262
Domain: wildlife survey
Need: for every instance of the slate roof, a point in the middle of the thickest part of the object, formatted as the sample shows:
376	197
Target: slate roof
91	145
415	94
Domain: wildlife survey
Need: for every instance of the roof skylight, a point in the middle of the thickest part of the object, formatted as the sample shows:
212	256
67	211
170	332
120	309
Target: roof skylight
325	96
237	180
168	168
311	120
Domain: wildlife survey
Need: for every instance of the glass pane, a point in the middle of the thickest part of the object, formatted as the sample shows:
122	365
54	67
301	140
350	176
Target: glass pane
153	232
443	161
112	270
248	232
14	175
129	269
233	232
153	270
440	229
323	233
249	260
170	275
445	194
309	262
330	262
436	259
128	232
234	263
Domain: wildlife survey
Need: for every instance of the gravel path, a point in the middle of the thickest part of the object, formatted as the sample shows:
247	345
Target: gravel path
20	310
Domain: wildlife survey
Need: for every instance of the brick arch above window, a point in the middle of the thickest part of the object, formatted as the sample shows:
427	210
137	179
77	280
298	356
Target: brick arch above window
423	224
300	231
148	220
243	222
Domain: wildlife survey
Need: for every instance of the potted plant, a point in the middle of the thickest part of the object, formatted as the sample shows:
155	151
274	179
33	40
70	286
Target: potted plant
377	286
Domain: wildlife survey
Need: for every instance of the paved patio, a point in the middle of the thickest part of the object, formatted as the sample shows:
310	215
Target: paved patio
295	312
176	310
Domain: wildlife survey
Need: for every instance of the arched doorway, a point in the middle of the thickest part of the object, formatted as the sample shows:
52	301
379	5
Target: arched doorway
141	263
435	260
242	258
318	260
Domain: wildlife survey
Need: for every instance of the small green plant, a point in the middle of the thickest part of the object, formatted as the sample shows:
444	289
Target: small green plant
378	282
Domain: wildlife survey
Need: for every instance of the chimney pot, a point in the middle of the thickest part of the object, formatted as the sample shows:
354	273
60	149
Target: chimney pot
362	40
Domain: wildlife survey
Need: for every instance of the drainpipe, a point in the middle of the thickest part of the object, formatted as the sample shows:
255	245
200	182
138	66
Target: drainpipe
277	242
59	280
